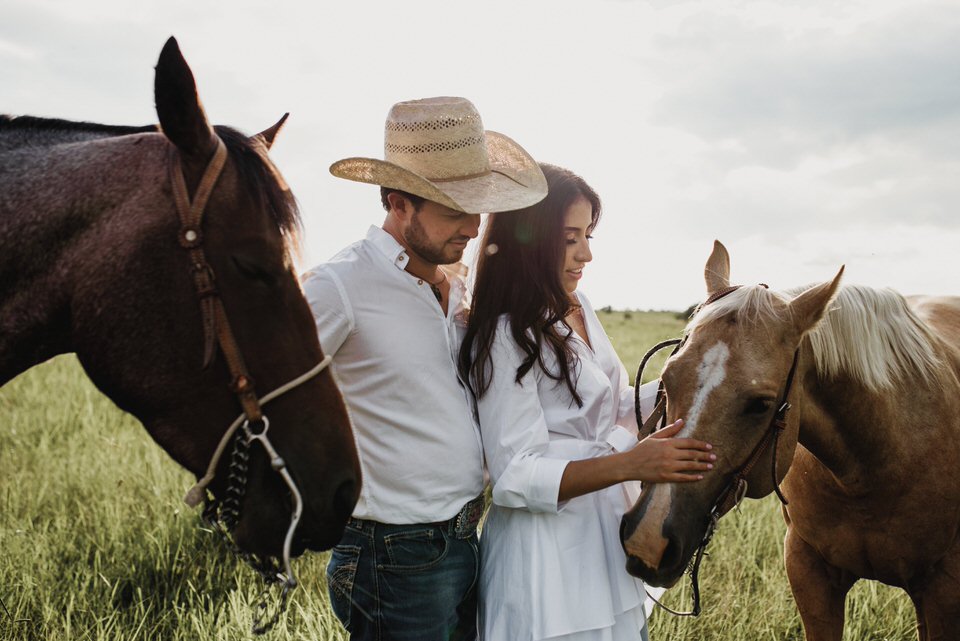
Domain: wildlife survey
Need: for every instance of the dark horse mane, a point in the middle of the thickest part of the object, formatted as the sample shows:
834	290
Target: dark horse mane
263	179
33	123
255	170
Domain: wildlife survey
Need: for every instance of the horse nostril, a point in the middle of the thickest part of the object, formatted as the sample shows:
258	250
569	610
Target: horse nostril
344	499
672	555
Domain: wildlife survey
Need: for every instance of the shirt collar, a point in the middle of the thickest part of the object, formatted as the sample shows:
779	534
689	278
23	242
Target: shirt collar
388	246
397	255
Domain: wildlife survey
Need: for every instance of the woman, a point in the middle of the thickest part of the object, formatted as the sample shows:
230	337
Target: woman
556	419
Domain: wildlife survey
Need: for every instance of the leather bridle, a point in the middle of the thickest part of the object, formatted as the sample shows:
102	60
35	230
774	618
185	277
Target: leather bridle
736	489
225	515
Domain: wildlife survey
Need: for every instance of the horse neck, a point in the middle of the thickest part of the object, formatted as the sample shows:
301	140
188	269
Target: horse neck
61	217
28	131
870	438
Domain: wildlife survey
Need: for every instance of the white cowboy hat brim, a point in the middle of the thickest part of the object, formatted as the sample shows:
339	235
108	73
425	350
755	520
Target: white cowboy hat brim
513	182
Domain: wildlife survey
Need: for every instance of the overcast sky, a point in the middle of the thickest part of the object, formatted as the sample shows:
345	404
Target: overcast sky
804	134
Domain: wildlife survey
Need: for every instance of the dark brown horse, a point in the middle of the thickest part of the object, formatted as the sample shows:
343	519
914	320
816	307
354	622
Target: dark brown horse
94	259
872	442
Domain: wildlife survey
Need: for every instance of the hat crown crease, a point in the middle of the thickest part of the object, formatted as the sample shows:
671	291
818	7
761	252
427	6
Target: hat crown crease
436	146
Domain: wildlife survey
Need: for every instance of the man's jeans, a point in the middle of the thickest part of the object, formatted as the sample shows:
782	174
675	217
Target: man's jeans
405	582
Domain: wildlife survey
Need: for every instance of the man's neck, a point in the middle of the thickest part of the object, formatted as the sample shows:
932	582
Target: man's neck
416	265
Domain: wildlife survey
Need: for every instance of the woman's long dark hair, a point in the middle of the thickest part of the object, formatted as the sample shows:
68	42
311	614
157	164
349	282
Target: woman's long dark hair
518	274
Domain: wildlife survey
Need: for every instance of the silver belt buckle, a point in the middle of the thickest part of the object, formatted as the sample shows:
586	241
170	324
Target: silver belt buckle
466	521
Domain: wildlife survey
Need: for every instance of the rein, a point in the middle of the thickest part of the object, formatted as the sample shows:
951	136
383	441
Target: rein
225	515
736	489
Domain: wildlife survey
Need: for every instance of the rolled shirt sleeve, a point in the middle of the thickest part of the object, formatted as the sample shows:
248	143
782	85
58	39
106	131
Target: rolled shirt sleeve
621	439
514	434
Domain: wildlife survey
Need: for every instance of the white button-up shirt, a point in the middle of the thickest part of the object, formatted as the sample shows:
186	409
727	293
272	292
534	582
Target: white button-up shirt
394	357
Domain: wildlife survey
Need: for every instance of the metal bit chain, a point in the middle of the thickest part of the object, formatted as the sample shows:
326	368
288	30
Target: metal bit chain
224	516
236	483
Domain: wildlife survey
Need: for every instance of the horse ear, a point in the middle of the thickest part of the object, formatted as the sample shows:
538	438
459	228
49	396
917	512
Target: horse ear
178	106
717	270
811	305
268	135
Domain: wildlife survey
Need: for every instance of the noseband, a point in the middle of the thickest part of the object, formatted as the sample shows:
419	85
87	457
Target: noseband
224	515
736	489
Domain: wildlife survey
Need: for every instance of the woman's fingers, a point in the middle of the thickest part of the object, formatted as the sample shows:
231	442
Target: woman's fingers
693	454
691	444
678	460
685	466
679	477
670	430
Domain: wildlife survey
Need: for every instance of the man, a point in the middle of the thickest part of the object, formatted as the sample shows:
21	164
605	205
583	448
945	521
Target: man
407	565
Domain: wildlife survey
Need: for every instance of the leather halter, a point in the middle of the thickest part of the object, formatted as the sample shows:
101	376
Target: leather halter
736	489
216	326
218	333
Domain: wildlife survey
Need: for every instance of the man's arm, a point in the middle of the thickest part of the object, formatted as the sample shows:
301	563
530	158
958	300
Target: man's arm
332	312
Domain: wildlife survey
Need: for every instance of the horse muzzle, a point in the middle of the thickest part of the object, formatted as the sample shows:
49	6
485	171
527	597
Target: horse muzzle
658	542
660	562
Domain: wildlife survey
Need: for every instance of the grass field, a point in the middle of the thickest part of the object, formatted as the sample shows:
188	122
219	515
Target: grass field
96	544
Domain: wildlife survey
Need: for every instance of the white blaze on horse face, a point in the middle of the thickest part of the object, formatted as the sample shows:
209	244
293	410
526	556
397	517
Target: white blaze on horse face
710	374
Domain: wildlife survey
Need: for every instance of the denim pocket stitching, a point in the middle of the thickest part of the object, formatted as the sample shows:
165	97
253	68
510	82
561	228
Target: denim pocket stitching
424	535
343	578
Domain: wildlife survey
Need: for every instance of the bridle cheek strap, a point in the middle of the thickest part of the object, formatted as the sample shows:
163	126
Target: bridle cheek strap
737	488
216	326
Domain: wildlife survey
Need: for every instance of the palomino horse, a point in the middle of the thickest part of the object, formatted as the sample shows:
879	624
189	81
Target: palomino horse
872	442
95	260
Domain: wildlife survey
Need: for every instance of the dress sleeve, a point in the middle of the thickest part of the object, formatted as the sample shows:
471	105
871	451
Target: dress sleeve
515	436
626	412
332	312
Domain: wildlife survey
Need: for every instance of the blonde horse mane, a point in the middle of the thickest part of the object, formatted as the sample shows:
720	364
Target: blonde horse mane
874	336
869	334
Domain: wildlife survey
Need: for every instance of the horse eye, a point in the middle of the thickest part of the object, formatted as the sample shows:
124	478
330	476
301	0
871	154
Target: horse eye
252	271
757	406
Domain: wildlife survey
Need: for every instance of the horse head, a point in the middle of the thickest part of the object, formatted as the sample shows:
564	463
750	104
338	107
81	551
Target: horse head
142	329
728	381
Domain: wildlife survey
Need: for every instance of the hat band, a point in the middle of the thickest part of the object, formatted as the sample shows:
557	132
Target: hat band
465	177
480	175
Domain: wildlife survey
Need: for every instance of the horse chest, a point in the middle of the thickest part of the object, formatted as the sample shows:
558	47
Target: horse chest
873	535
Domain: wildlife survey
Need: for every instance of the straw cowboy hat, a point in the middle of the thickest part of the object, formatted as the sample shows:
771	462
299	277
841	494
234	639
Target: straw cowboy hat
437	148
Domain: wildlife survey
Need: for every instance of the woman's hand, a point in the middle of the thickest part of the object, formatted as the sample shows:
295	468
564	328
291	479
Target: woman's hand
663	458
659	458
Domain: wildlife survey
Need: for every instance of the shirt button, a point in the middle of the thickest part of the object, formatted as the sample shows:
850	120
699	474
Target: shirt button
419	282
401	258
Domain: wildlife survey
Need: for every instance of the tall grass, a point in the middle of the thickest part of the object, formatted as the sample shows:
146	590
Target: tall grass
96	544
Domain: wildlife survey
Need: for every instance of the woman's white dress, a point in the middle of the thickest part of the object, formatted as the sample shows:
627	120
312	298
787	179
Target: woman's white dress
549	570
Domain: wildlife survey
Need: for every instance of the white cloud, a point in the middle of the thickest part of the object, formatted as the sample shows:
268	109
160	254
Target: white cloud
803	134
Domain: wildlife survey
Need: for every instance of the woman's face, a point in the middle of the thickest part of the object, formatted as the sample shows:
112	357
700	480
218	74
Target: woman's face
577	227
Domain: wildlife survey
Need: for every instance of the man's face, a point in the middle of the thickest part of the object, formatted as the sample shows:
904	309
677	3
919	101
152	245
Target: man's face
438	234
